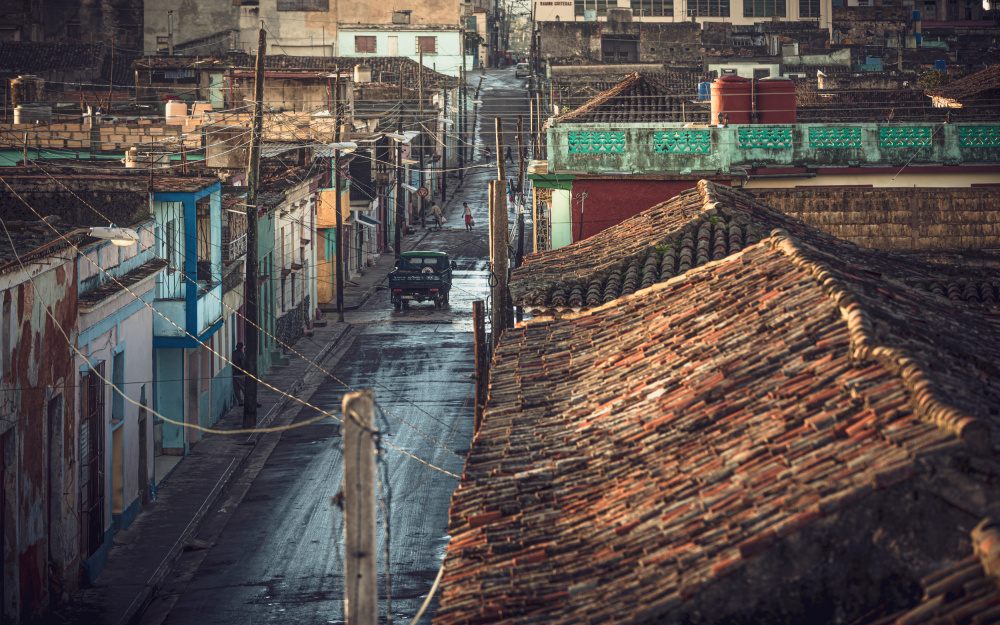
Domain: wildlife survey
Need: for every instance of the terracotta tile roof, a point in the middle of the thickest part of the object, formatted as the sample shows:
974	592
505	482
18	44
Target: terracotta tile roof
962	590
22	57
637	98
34	240
118	285
694	228
969	86
638	462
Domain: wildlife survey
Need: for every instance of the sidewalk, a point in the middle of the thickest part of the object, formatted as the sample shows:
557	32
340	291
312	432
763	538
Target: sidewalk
144	554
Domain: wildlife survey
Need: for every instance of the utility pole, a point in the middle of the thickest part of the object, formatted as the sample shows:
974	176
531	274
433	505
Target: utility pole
400	217
420	129
482	361
498	260
250	293
539	151
444	152
501	170
360	555
339	249
520	156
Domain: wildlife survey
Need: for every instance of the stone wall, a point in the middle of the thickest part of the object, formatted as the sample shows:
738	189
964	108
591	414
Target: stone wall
290	327
897	219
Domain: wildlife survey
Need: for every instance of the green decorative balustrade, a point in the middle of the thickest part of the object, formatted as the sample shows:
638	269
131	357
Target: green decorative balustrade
774	137
596	142
904	137
682	141
979	136
835	137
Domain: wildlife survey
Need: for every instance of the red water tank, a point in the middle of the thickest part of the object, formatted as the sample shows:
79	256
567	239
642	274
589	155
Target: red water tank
732	96
776	100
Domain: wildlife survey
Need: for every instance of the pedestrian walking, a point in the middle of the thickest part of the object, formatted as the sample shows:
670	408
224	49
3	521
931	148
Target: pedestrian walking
467	213
436	215
489	155
239	360
508	157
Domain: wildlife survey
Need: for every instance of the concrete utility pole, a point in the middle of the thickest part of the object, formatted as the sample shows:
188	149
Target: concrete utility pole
520	155
250	328
360	566
501	171
400	216
339	248
444	151
482	352
539	151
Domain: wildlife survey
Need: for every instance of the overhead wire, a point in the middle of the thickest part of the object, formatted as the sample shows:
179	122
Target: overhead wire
323	413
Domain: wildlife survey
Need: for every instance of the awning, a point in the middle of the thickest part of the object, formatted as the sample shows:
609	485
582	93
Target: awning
365	220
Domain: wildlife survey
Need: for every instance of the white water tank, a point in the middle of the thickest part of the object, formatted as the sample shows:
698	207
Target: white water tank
198	109
32	114
176	112
362	73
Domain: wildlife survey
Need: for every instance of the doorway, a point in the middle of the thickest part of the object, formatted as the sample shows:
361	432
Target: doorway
393	46
54	487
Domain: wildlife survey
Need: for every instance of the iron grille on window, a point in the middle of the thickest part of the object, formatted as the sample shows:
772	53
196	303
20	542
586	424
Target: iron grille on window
809	8
655	8
764	8
708	8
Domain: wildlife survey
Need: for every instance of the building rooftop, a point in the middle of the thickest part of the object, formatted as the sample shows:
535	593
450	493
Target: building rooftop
34	241
637	98
970	86
41	58
741	443
699	226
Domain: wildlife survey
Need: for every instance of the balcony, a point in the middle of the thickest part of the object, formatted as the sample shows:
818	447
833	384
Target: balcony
205	312
591	148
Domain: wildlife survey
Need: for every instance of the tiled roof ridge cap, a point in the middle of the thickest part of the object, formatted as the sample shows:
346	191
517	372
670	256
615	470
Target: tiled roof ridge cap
986	543
601	98
926	399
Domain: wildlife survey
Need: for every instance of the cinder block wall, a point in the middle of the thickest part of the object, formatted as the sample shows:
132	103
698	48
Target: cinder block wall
897	218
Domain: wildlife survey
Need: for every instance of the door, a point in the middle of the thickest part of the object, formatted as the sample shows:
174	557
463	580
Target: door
92	462
393	46
54	470
143	452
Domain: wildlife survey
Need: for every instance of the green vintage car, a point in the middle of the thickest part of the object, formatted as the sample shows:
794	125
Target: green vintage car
420	277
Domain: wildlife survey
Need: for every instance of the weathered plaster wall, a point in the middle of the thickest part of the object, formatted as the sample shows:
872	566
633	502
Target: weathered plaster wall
900	219
41	371
191	20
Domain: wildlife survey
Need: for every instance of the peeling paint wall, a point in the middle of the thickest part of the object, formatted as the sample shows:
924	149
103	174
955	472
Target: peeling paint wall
38	437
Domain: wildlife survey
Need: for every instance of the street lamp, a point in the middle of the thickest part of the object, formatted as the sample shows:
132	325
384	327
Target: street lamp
122	237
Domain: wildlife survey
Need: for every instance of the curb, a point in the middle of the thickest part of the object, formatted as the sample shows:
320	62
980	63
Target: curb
145	597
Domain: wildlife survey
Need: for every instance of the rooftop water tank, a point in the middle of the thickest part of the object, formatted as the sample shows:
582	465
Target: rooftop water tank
362	73
732	96
198	109
32	114
176	112
26	89
704	91
776	100
941	66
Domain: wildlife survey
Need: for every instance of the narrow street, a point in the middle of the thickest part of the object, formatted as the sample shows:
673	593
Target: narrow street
276	554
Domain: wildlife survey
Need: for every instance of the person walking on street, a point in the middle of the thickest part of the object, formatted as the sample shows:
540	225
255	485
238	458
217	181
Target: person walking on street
467	213
489	154
239	360
507	156
436	214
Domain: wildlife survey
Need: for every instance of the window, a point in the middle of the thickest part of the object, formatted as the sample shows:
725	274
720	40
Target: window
118	384
655	8
709	8
809	8
303	5
427	45
601	6
764	8
761	73
364	44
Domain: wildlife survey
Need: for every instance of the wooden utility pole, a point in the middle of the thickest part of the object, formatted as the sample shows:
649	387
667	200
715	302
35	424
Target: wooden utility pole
339	247
250	290
400	215
360	566
520	155
420	129
498	259
444	152
501	171
531	122
539	151
482	361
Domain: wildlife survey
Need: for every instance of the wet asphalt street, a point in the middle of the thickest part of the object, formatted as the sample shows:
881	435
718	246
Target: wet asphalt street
277	556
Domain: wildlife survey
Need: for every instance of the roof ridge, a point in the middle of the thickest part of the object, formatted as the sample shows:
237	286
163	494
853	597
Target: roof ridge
926	399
